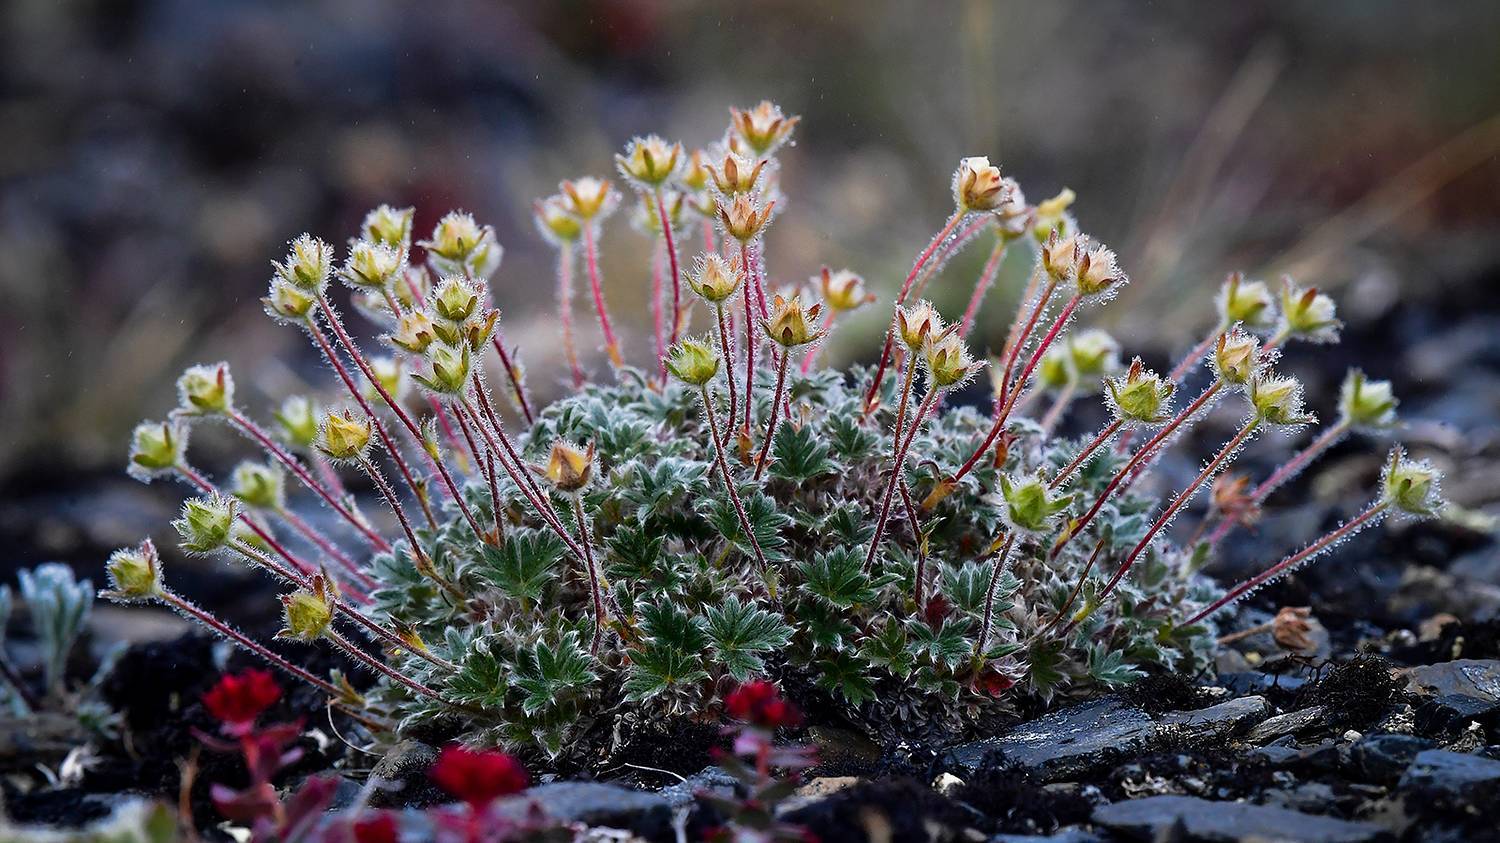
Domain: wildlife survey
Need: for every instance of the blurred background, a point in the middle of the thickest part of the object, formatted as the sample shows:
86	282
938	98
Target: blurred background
159	153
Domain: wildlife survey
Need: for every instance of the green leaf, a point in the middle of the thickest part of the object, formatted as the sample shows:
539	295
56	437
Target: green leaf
635	554
665	623
888	648
842	674
658	669
738	632
1108	666
849	523
799	455
480	681
837	577
851	441
949	645
765	520
524	564
669	480
549	674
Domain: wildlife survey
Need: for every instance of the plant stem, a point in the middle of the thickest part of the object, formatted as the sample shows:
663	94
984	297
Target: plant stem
920	577
1088	451
900	464
989	595
812	352
671	244
424	563
765	448
982	285
1077	588
203	484
565	311
1291	468
591	261
1059	406
1194	357
514	374
379	666
726	347
945	253
593	573
751	348
657	332
479	458
734	496
229	633
323	543
907	378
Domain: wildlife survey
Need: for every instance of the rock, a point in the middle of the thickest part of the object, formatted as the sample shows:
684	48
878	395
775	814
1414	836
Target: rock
1286	724
596	803
1277	685
1219	721
1466	777
815	791
1383	758
1190	818
685	792
401	779
1066	743
1448	714
1478	678
1071	836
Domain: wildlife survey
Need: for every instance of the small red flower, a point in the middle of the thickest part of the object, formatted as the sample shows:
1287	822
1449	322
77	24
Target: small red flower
478	777
377	828
239	698
760	704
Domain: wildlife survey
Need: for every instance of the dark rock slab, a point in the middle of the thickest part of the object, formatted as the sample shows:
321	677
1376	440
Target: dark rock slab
1190	818
1290	723
1478	678
597	804
402	779
711	779
1466	777
1224	720
1066	743
1070	836
1447	714
1383	758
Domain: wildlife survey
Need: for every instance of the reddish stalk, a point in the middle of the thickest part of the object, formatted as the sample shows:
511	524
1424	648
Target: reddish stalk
1291	468
734	496
487	461
765	448
511	371
950	247
657	317
671	244
751	348
1088	451
812	353
565	311
1077	589
899	463
920	577
989	595
424	563
207	487
588	553
379	666
229	633
591	261
726	347
1059	406
1194	357
323	543
982	286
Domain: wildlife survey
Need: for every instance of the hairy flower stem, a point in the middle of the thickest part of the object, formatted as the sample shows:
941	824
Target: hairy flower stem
591	261
513	372
424	563
285	457
812	351
344	644
565	311
658	338
1077	589
751	349
671	243
1087	453
1194	357
323	543
907	378
890	330
726	347
593	573
1059	406
233	635
734	496
203	485
919	579
982	286
989	596
1289	469
765	447
480	460
1343	531
950	247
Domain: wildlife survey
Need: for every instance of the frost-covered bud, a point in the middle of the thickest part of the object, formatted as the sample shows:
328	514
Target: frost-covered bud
736	175
743	218
948	361
977	185
589	198
1247	303
157	448
918	323
1052	216
205	390
556	223
763	128
451	369
206	523
1012	216
134	574
345	437
259	485
1411	486
1085	359
714	278
307	265
1308	314
696	172
650	161
790	324
460	246
843	290
1367	404
372	266
391	376
1140	396
693	361
1236	357
1277	400
298	419
1029	505
288	303
1098	272
455	299
569	468
478	329
414	332
389	226
1060	256
308	614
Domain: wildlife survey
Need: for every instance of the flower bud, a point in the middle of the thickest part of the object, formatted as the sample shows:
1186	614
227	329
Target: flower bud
1012	216
647	217
763	128
948	361
1141	396
588	198
1060	256
259	485
843	290
134	573
790	325
736	175
345	437
1367	404
556	223
1084	359
307	265
206	523
451	367
390	375
156	448
693	361
387	226
455	299
714	278
372	266
650	161
287	303
1098	273
977	185
414	332
696	172
743	219
477	329
1411	485
1237	357
308	614
569	468
1308	314
460	246
916	324
1052	216
298	418
1029	505
205	390
1277	400
1247	303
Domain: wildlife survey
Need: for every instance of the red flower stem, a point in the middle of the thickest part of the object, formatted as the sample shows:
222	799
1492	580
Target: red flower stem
1291	468
989	595
281	455
1077	589
707	228
726	347
424	563
1342	531
657	317
898	466
591	260
950	247
528	478
329	476
513	373
1088	451
757	274
812	353
920	577
323	543
588	553
231	634
480	461
671	244
982	286
207	487
734	496
1194	357
565	311
890	331
750	340
765	448
908	377
1059	406
379	666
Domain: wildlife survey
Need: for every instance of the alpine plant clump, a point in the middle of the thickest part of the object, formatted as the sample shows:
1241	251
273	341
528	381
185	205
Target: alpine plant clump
727	508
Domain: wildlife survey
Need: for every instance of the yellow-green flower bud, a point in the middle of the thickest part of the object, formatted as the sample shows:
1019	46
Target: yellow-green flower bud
693	361
1277	400
460	246
389	226
414	332
298	419
696	172
372	266
205	390
156	448
791	325
1097	273
1367	404
1084	360
736	175
307	614
1236	357
1411	486
1029	506
948	361
345	437
259	485
557	224
206	523
649	161
134	573
307	265
1052	216
455	299
843	290
287	303
763	128
451	368
477	329
714	278
1247	303
569	468
1140	396
977	185
917	324
589	198
1308	314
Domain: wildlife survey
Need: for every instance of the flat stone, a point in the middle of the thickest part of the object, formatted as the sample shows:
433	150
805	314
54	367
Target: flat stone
1478	678
1286	724
1224	720
1466	777
596	803
1447	714
1066	743
402	777
710	779
1069	836
1190	818
1383	758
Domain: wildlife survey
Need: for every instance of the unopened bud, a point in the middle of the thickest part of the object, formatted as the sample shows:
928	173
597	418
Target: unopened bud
157	448
205	390
1367	404
843	290
1277	400
288	303
462	247
134	573
977	185
389	226
763	128
714	278
307	265
1236	357
743	219
916	324
693	361
206	523
1140	396
455	299
298	419
557	224
569	468
345	437
790	325
1247	303
1308	314
589	198
948	361
1029	504
372	266
650	161
414	332
1411	486
736	175
451	368
259	485
307	614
